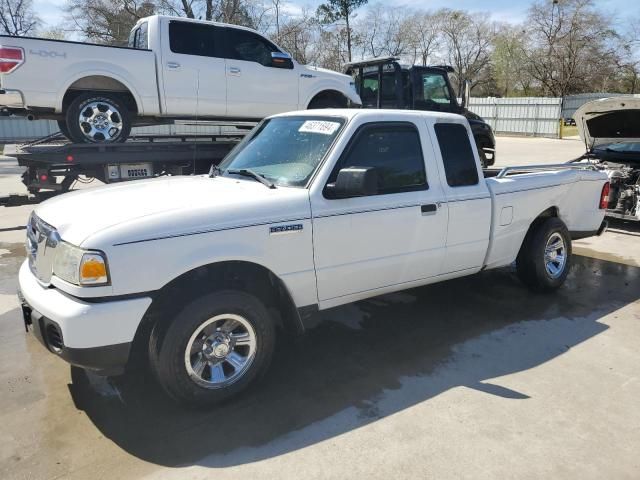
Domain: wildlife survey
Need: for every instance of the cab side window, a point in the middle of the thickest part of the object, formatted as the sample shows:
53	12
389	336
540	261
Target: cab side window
457	154
247	46
194	39
394	150
435	88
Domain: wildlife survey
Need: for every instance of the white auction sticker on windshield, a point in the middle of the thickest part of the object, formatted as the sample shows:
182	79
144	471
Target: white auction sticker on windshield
319	126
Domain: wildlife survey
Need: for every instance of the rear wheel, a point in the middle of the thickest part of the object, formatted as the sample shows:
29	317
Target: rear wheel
214	348
544	260
62	126
100	118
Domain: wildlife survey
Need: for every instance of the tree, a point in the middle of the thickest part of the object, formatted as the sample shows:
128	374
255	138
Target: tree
425	30
335	11
467	42
510	67
384	31
298	36
107	21
17	17
570	46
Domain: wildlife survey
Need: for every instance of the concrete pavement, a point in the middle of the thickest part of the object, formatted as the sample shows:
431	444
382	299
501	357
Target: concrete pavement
472	378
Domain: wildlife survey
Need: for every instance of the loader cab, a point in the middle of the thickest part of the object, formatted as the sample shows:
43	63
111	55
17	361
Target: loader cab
386	83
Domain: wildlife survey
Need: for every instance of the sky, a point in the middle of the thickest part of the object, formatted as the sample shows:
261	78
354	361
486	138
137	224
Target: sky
50	11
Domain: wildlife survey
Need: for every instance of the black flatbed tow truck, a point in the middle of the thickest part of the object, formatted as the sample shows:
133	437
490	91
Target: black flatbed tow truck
53	164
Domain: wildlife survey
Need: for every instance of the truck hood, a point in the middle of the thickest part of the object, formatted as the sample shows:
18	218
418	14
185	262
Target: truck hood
168	206
609	120
326	73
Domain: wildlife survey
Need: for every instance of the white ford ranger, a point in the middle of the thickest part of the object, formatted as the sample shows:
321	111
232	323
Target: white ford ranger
174	68
310	211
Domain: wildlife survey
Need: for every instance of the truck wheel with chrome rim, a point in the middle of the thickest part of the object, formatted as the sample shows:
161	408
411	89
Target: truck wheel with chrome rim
214	348
544	259
92	118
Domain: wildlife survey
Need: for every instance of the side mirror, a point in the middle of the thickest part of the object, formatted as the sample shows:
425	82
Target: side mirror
465	94
281	60
354	182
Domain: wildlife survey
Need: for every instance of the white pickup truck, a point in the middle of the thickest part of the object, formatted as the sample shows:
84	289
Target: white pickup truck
174	68
310	211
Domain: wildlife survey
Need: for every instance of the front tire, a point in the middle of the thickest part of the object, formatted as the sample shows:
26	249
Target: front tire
544	259
214	348
102	118
327	101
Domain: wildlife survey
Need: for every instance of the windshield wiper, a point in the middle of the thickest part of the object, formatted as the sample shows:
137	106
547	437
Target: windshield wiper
247	172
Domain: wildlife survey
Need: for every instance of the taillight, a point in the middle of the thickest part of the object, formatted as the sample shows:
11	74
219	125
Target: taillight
10	58
604	196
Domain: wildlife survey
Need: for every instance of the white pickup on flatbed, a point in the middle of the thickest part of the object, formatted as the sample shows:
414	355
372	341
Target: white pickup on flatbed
173	68
312	210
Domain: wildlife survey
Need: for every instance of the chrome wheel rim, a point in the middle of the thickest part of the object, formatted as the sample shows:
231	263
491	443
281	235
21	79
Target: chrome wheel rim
555	255
220	351
100	121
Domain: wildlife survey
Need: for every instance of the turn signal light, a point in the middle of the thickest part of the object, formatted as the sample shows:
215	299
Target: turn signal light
604	196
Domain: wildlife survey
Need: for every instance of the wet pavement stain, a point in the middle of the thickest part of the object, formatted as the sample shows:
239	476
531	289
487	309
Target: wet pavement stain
352	360
335	367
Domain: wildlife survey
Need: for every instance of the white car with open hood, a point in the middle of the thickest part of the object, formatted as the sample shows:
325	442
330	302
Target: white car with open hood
610	128
310	211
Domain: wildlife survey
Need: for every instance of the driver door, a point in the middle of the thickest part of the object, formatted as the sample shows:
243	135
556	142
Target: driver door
256	88
397	236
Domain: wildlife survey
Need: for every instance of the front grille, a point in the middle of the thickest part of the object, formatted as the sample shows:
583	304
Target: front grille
54	337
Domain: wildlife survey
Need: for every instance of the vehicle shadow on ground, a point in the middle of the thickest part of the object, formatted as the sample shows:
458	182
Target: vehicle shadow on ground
367	361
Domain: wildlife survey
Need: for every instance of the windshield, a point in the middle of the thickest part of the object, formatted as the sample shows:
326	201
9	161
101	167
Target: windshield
285	150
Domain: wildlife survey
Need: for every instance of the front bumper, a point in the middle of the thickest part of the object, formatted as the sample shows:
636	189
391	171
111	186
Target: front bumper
96	336
11	100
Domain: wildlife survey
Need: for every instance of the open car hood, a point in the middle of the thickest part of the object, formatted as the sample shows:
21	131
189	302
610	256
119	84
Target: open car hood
609	120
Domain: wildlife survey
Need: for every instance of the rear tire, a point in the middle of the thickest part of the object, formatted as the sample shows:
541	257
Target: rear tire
98	118
214	348
544	259
62	126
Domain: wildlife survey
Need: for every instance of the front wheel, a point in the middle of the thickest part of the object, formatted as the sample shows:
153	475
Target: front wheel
544	259
214	348
102	118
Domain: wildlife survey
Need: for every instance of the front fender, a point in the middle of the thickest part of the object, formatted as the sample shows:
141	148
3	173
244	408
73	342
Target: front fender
158	262
325	85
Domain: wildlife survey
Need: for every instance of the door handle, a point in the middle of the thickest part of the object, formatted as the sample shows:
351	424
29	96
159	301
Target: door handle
234	70
173	65
429	209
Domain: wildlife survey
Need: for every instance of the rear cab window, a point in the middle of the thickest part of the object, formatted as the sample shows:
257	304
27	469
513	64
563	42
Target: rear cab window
139	37
457	154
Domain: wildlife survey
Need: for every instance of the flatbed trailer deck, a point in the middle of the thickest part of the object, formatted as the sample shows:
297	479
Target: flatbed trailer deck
53	164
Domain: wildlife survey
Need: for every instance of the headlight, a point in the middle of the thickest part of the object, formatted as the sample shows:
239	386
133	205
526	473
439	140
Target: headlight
80	267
